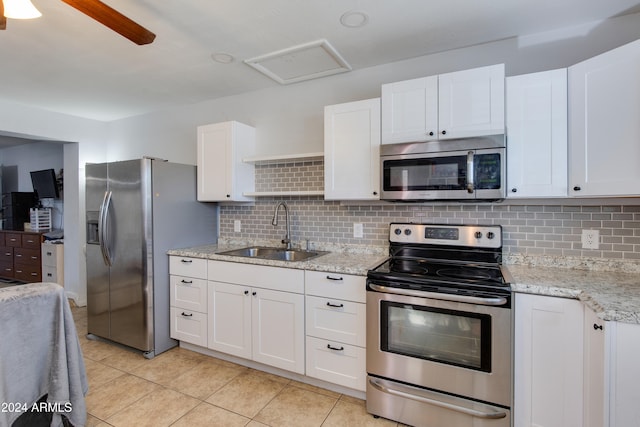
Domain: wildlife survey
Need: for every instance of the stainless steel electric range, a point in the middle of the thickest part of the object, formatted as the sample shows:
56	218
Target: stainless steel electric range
439	328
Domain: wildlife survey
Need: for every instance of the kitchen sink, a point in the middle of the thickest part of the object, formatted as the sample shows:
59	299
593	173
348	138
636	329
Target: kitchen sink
277	254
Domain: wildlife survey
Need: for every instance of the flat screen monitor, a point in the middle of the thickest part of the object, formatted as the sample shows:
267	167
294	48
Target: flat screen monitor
45	184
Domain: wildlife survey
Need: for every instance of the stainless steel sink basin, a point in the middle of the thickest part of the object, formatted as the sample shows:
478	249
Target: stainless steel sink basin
279	254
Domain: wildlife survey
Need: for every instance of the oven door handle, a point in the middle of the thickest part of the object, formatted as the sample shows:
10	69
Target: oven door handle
440	296
470	172
423	399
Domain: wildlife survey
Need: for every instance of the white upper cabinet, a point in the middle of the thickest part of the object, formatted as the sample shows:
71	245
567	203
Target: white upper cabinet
453	105
410	110
352	151
537	135
222	175
471	102
604	129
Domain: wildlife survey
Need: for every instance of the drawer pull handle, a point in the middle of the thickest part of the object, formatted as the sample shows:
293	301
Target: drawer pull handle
596	326
334	278
34	257
330	347
49	253
187	315
335	305
49	275
186	261
187	282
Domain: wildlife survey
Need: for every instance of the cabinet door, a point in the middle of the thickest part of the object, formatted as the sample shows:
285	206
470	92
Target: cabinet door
548	367
604	106
221	173
537	134
410	110
595	379
471	102
625	372
278	329
352	151
229	328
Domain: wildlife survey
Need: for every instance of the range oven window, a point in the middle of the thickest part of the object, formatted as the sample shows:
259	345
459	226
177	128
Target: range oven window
453	337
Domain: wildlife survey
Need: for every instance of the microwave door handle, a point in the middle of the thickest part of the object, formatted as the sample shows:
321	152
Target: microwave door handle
470	172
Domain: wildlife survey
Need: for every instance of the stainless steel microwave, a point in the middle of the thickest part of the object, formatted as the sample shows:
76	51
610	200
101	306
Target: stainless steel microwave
460	169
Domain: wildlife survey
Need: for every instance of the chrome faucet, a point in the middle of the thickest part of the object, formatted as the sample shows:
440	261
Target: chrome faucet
274	222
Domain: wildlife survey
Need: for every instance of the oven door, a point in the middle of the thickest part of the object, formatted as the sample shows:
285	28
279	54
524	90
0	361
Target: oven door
459	175
448	346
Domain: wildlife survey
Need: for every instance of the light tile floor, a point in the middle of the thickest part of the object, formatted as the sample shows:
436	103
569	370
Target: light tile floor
181	388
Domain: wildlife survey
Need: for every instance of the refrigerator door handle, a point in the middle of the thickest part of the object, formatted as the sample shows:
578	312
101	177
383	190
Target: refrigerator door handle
102	235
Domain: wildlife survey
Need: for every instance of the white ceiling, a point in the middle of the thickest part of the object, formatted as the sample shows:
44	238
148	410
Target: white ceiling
66	62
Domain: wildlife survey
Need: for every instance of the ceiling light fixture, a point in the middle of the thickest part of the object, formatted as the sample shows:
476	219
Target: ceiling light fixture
20	9
354	19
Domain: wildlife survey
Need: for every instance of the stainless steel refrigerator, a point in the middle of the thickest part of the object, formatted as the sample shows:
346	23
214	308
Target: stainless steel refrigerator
136	211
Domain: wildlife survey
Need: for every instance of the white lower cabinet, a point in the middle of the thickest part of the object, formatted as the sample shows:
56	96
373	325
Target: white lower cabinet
336	328
250	316
596	379
548	362
624	372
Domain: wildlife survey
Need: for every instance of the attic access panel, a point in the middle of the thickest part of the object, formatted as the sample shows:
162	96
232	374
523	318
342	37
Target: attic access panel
298	63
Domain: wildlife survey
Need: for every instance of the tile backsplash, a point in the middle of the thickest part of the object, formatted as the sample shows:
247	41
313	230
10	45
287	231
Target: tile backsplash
550	230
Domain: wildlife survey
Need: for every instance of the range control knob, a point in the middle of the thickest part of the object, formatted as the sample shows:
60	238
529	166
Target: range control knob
397	231
478	234
490	235
407	231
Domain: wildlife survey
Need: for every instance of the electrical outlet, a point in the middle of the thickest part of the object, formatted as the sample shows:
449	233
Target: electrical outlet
358	231
237	226
590	239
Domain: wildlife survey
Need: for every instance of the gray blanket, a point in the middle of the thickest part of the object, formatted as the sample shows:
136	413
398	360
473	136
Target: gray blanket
40	355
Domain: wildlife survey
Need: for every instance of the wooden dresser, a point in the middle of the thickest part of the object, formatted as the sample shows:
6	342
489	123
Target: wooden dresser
20	255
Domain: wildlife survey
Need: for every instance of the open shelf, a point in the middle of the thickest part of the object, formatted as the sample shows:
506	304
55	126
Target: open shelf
284	158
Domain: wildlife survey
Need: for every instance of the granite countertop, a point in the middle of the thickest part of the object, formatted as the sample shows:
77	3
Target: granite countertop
356	262
612	295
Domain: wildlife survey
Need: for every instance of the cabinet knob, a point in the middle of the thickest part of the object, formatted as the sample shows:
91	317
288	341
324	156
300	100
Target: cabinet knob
431	133
228	195
246	292
596	326
576	188
254	293
375	193
444	132
514	190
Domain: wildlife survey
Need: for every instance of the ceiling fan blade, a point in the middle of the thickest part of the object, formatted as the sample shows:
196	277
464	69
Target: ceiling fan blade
113	19
3	20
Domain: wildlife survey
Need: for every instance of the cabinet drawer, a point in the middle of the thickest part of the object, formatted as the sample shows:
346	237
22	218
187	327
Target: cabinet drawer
26	256
28	272
13	239
50	274
6	269
336	320
49	255
189	293
336	363
189	326
6	254
261	276
334	285
31	240
189	267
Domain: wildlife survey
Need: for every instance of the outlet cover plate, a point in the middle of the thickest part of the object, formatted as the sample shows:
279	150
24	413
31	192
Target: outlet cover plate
590	239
